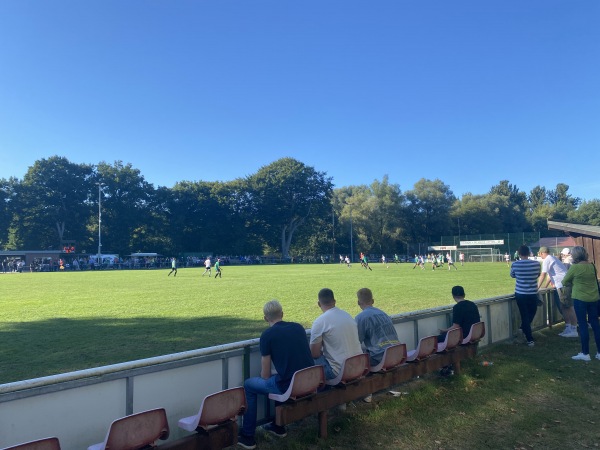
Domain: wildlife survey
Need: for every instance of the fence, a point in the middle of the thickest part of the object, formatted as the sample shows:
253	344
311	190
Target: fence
77	407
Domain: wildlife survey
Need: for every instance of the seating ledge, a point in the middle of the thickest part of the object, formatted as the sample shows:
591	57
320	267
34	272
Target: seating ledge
289	412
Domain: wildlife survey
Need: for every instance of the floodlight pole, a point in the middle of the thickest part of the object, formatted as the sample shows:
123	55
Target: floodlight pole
351	233
99	219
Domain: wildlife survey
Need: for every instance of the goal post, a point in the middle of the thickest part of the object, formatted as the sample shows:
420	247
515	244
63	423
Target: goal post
481	254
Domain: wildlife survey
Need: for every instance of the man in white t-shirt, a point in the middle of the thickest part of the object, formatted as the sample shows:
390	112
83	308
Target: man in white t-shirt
553	272
333	336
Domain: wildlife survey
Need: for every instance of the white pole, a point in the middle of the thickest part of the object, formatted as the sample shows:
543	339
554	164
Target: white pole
99	221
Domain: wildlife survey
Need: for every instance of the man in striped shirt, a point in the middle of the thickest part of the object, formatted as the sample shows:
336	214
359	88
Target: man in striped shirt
526	271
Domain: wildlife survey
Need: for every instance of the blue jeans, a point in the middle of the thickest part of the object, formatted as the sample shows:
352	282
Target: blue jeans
587	311
254	386
322	361
527	304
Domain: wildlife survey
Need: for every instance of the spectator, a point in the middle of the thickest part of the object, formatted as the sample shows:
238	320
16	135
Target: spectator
582	277
284	344
333	336
553	272
464	314
376	330
526	271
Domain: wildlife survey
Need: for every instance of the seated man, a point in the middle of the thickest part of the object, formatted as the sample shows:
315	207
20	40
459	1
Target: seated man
333	336
285	345
464	314
376	330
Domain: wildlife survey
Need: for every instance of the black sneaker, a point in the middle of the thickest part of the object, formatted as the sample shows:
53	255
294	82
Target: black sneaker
246	442
275	430
447	371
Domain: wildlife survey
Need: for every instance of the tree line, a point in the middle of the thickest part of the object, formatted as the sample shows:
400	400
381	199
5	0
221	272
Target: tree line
285	208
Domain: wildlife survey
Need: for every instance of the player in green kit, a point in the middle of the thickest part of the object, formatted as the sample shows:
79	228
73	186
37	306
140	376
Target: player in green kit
218	268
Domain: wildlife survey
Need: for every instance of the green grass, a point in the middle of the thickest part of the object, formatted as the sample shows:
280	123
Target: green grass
530	398
58	322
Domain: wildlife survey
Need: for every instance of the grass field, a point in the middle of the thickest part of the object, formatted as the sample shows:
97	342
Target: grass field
58	322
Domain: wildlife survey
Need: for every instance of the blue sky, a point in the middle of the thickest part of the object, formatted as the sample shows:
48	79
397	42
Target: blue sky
471	92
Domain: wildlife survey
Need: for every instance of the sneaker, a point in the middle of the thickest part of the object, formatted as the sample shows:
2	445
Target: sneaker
597	355
275	430
530	344
581	357
246	442
570	334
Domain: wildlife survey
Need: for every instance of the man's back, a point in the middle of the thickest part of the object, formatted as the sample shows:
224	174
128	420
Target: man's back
376	331
465	313
337	331
287	345
526	272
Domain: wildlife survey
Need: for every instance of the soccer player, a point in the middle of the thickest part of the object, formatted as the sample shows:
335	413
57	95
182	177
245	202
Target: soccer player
218	268
173	267
207	267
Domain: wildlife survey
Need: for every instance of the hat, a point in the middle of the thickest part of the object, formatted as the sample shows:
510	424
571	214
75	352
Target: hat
566	251
543	250
458	291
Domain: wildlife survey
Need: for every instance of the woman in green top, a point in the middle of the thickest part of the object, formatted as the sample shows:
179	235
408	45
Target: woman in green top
582	276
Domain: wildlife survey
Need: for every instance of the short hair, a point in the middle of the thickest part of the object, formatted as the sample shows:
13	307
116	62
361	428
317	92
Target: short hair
365	296
273	310
579	254
326	296
458	291
524	250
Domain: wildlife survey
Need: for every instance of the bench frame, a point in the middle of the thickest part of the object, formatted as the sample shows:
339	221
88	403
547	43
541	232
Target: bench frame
292	411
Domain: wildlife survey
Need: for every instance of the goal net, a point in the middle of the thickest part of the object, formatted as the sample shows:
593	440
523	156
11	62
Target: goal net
481	254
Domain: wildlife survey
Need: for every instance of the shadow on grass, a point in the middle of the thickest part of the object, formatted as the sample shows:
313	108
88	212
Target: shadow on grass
42	348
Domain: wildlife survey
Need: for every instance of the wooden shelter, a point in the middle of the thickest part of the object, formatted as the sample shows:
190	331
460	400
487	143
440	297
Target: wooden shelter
587	236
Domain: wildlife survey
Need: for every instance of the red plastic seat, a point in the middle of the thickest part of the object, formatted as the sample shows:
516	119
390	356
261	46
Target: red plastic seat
353	369
426	347
305	382
476	333
393	356
50	443
135	431
454	337
216	409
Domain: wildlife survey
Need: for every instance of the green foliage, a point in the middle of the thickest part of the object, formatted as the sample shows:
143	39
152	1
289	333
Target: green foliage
58	322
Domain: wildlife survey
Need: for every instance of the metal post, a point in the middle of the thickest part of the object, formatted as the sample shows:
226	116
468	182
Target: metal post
351	244
100	221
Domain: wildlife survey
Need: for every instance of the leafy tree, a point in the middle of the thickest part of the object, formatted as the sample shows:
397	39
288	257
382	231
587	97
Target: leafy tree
429	204
511	206
126	207
285	195
477	214
588	213
51	204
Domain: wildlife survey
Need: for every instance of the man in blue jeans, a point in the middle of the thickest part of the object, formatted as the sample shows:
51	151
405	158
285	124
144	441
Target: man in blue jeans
526	272
285	345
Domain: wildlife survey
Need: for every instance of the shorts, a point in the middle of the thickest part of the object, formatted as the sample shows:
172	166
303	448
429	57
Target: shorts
564	294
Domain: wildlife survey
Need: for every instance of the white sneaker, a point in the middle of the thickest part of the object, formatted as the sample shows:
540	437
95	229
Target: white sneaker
597	355
581	357
570	334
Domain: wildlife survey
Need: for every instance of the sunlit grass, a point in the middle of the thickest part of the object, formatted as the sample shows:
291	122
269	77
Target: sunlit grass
58	322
